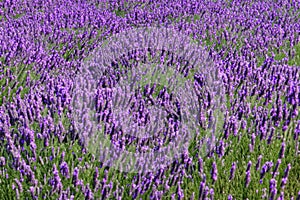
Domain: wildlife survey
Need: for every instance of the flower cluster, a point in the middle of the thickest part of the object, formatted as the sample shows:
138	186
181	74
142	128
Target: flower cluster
255	48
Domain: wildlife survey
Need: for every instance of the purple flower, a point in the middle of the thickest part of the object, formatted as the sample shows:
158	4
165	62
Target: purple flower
276	168
287	170
282	150
298	197
75	179
2	161
180	192
212	193
221	149
283	182
270	136
200	165
32	192
201	189
64	169
88	193
214	172
95	178
17	194
248	178
257	166
281	197
232	171
62	157
297	131
272	184
244	124
273	194
56	182
253	139
249	166
266	167
206	191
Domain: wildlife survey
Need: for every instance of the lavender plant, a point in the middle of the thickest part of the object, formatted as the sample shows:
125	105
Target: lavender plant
254	48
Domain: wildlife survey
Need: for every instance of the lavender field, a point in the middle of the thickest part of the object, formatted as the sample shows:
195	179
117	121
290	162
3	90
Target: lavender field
149	99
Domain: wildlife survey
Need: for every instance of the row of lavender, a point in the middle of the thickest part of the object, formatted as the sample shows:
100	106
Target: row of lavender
252	43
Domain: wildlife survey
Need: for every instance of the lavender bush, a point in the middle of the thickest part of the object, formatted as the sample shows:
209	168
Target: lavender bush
57	98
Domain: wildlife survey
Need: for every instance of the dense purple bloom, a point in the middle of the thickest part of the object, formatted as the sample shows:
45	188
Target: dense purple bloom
45	42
